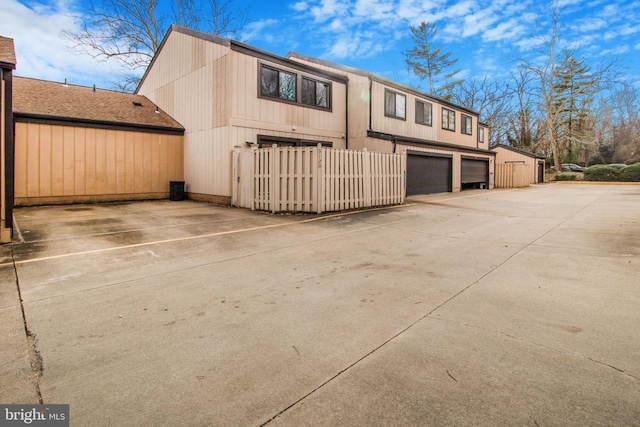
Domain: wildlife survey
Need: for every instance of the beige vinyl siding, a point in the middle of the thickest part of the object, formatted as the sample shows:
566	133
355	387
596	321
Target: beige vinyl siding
194	91
212	91
483	145
249	110
190	80
408	127
65	164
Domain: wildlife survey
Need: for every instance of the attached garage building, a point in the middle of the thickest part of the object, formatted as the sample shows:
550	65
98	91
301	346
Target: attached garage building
76	144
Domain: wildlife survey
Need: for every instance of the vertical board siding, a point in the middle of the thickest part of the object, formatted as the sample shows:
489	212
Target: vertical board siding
67	164
512	175
317	179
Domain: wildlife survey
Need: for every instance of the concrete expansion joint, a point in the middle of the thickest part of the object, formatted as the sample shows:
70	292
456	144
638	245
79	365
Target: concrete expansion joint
35	358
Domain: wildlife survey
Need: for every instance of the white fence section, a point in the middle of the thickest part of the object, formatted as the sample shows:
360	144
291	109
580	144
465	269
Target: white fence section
317	179
512	175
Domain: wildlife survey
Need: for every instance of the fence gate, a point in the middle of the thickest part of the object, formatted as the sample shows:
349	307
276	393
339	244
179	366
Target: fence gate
316	179
512	175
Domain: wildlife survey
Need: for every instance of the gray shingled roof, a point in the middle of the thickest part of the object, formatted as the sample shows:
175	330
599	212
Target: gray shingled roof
7	53
53	100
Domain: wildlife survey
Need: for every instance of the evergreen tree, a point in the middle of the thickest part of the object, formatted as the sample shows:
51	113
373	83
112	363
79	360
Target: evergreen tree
429	62
575	92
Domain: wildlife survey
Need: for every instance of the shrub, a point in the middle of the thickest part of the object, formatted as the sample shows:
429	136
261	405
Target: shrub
565	177
630	173
602	173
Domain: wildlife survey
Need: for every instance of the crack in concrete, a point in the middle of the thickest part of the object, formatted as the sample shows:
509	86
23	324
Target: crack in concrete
35	358
537	344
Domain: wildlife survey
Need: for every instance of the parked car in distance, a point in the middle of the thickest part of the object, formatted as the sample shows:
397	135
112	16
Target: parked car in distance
572	167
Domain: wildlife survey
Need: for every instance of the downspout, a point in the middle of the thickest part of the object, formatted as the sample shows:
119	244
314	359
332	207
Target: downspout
346	113
395	143
370	103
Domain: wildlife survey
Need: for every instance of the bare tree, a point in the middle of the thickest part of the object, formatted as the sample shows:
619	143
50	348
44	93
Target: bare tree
546	74
225	21
130	31
491	99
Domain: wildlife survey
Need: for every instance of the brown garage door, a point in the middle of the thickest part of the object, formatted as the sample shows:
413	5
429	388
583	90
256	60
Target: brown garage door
474	173
428	174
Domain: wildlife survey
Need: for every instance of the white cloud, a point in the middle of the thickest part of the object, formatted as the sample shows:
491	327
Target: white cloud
329	9
42	53
301	6
257	30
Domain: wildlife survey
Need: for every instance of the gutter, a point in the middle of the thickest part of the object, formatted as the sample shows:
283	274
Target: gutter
99	124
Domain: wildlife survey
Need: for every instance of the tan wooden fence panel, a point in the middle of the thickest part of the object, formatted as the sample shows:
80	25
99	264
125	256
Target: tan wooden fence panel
512	175
318	179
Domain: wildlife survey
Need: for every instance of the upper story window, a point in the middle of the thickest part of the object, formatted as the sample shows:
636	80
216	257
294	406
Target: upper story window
284	85
448	119
395	105
423	112
481	134
315	93
277	83
466	124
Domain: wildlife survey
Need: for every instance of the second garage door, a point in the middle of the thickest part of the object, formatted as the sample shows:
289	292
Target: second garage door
474	173
428	174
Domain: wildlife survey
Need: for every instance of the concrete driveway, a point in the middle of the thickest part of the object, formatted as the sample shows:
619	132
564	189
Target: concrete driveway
503	307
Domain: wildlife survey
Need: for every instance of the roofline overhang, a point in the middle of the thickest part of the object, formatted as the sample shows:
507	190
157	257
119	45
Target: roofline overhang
379	79
242	48
426	143
98	124
518	150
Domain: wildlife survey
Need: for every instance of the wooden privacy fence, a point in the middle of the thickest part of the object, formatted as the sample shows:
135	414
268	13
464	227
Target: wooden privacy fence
317	179
512	175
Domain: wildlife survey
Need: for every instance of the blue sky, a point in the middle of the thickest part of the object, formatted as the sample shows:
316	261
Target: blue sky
485	36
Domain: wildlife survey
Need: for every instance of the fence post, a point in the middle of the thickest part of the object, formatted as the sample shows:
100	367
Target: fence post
366	162
274	173
235	159
403	176
319	177
251	175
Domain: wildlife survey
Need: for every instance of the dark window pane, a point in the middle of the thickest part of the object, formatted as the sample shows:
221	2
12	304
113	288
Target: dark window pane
308	92
389	104
427	114
287	86
268	82
419	112
400	106
322	89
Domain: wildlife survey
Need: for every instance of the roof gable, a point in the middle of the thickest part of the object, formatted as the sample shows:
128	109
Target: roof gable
52	100
7	53
516	150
